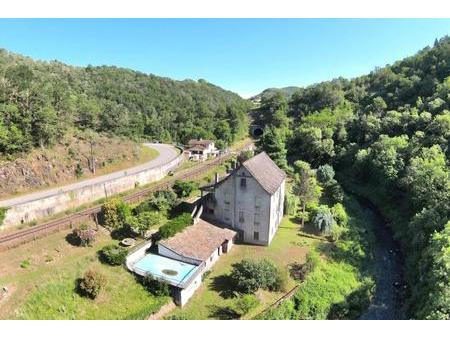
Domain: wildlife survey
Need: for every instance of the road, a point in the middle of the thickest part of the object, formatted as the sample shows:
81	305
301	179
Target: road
166	154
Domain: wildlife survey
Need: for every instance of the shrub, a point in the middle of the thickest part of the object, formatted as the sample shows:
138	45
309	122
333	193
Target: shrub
113	254
248	276
245	304
84	235
175	225
300	271
340	215
156	287
25	264
334	192
163	200
291	203
336	232
184	188
323	219
110	216
147	220
79	170
2	215
325	173
245	155
92	283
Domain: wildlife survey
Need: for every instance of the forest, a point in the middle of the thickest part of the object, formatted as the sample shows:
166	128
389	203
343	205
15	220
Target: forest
387	137
41	101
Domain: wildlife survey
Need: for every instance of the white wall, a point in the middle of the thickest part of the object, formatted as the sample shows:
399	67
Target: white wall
40	208
276	210
183	295
166	252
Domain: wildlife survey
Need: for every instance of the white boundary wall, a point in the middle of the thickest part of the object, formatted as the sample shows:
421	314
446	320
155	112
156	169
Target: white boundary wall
32	210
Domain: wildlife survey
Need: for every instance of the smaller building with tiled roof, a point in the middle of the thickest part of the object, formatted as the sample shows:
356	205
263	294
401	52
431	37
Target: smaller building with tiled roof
249	200
199	241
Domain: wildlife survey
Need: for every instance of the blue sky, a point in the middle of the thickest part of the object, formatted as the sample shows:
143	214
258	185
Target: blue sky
242	55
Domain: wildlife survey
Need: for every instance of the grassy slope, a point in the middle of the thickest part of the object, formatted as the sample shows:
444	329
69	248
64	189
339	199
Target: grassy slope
45	290
344	271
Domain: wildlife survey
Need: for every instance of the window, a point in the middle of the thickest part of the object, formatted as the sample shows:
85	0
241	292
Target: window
256	236
241	216
256	220
243	182
257	202
226	197
226	214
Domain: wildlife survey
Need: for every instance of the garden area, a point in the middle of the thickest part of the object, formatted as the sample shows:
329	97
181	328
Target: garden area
80	274
43	280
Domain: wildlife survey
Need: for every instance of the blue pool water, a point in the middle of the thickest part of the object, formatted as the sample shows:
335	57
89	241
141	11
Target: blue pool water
171	270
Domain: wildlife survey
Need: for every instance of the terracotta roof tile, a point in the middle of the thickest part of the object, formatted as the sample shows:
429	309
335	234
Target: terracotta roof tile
203	143
199	240
265	171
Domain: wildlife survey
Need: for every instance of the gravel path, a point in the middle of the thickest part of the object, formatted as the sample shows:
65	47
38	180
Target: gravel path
388	271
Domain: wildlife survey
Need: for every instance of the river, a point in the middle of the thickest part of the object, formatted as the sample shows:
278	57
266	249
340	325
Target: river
386	303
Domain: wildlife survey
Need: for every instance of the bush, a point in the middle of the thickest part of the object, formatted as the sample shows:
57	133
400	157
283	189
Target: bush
175	225
334	192
325	173
110	215
84	235
301	271
92	283
248	276
323	219
79	170
291	203
245	304
2	215
340	215
113	254
184	188
163	200
25	264
144	221
245	155
156	287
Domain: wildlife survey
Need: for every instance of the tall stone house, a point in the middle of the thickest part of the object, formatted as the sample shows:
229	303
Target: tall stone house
249	200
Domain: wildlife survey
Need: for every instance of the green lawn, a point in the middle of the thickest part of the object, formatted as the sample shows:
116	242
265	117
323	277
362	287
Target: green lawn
208	301
46	288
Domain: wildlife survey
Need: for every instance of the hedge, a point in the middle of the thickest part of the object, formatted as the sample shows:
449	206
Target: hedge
175	225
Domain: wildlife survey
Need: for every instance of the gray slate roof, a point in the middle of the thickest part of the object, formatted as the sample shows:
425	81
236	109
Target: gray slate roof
265	171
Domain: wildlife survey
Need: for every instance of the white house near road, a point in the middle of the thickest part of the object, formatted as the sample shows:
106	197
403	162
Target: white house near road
201	150
250	200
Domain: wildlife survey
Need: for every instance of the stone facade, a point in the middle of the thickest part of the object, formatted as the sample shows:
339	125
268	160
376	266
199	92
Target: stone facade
241	202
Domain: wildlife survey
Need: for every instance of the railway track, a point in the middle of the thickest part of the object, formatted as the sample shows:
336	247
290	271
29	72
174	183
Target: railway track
22	236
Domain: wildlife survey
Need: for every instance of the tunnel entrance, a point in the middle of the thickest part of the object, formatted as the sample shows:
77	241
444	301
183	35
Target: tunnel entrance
256	130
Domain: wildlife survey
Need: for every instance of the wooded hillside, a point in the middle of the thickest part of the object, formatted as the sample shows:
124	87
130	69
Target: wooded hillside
39	101
387	134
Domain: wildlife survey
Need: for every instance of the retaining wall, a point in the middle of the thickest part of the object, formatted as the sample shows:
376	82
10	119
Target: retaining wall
61	201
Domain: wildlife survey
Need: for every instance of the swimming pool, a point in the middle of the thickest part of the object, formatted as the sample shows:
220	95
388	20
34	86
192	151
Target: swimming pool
170	270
